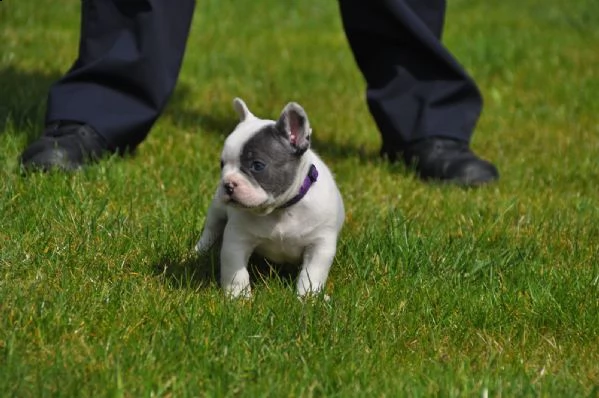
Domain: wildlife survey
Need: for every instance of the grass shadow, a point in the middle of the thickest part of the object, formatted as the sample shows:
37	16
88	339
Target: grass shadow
203	271
23	100
187	271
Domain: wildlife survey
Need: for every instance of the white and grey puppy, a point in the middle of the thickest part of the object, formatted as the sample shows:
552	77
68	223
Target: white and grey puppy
277	198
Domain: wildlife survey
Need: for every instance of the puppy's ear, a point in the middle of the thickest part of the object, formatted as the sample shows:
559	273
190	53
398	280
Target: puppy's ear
294	125
242	110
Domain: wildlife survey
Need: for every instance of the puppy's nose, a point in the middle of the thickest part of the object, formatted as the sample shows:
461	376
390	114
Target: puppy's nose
230	187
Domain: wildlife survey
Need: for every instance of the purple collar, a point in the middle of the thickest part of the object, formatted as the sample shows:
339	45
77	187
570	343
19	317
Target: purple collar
308	181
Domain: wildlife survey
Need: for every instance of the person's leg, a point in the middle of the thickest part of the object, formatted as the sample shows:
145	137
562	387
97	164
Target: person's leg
421	99
130	54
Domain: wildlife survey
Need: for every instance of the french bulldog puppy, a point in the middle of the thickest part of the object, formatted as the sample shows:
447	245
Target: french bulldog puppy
276	198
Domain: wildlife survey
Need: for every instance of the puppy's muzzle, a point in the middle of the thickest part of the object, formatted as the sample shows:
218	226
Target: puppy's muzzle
229	187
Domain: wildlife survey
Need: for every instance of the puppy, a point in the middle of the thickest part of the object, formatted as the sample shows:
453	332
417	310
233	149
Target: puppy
276	198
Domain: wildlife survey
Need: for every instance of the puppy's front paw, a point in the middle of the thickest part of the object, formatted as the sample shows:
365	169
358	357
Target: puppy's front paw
236	284
205	243
201	247
314	296
237	291
307	286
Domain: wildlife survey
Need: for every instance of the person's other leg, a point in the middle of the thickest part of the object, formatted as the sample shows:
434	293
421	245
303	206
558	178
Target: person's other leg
423	102
130	55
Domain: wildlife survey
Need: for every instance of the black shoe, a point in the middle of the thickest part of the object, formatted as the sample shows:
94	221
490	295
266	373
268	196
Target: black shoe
447	160
64	146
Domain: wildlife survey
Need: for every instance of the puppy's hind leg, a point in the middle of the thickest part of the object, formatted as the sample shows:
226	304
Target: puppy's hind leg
216	220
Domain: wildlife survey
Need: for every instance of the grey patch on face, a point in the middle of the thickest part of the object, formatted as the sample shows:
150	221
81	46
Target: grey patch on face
270	147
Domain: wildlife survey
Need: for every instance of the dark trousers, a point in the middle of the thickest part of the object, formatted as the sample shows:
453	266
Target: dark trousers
131	51
415	88
130	54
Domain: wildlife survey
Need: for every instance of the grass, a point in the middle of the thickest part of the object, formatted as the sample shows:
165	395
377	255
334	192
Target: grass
435	290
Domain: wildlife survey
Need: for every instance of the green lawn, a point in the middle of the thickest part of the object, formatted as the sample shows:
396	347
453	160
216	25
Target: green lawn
435	290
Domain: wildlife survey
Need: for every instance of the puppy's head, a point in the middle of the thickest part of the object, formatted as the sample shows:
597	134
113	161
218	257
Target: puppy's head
261	158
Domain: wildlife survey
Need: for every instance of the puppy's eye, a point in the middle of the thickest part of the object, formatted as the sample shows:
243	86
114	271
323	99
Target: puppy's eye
222	164
257	166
